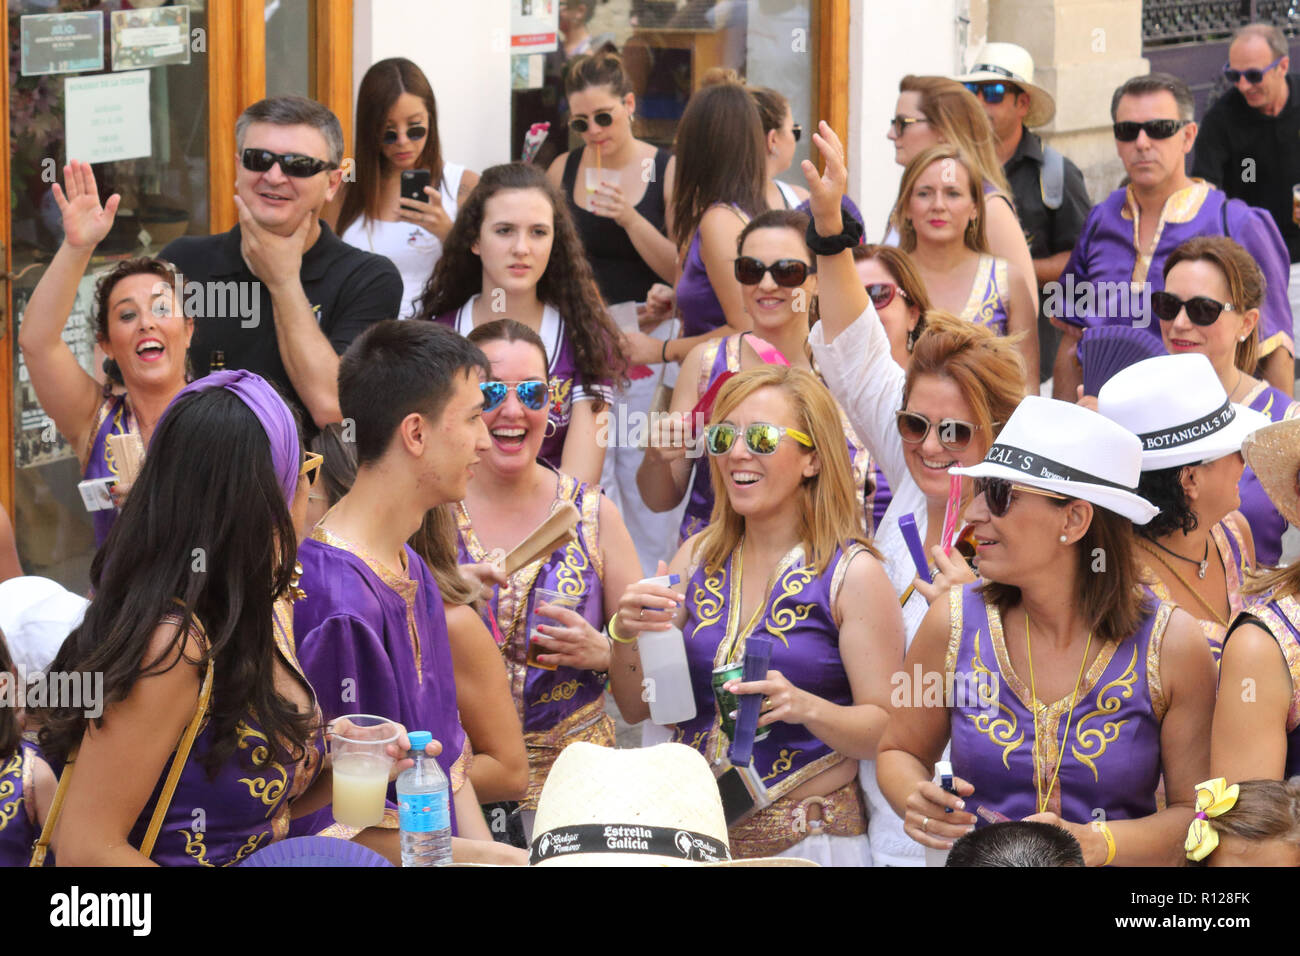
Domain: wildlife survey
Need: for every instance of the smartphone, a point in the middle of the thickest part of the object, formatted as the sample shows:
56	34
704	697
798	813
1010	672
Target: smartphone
413	183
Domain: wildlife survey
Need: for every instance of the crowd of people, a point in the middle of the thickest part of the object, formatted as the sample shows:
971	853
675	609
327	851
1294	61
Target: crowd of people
857	462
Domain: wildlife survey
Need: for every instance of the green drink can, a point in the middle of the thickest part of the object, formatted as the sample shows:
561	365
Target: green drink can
728	702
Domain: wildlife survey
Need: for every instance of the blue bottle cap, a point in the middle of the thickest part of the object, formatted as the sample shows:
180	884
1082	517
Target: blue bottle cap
420	739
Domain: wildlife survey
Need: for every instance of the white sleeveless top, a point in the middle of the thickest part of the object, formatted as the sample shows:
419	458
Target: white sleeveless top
788	194
413	249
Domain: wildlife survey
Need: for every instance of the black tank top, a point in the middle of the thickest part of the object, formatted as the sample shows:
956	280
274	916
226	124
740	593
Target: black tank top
621	273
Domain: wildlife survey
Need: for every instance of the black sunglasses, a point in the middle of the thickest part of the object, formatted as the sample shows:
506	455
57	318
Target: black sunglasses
797	131
532	395
786	273
1253	77
991	93
882	293
954	434
601	118
1127	131
1201	309
291	164
900	123
999	494
413	133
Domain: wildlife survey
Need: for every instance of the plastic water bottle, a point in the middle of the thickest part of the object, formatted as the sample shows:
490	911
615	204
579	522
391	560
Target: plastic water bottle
667	687
943	777
423	808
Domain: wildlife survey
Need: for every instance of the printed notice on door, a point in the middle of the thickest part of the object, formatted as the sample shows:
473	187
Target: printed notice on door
61	43
107	117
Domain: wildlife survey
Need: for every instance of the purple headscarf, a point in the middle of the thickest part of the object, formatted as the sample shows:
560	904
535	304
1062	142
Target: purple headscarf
271	411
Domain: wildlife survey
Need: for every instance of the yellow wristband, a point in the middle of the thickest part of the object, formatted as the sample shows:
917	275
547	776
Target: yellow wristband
1102	828
613	634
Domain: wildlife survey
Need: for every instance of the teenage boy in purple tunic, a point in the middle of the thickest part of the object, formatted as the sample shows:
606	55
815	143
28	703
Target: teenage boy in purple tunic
371	631
1131	232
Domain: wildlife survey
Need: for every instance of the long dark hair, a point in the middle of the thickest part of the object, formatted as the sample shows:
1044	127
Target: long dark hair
567	284
721	157
204	535
380	88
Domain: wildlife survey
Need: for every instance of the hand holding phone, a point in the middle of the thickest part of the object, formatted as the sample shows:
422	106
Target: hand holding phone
413	183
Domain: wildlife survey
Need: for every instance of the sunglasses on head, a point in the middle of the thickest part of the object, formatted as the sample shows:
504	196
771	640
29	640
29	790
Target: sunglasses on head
882	293
954	434
761	438
1127	131
413	133
999	494
900	123
601	118
787	273
532	395
1201	309
1253	77
291	164
991	93
311	465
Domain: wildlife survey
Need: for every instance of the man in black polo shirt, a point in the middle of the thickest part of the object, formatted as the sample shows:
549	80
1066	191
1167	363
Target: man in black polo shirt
280	294
1249	143
1051	199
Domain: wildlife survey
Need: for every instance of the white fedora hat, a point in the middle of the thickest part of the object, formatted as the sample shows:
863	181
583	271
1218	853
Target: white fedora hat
654	806
1177	407
1071	450
36	616
1013	64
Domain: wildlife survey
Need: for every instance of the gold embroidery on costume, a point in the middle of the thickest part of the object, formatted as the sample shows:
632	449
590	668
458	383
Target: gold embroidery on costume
559	692
8	810
195	848
561	399
260	788
783	762
251	844
1102	738
999	731
784	618
568	576
708	608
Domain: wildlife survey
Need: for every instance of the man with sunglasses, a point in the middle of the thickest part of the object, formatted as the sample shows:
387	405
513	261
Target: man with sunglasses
1249	143
313	293
1120	258
1051	198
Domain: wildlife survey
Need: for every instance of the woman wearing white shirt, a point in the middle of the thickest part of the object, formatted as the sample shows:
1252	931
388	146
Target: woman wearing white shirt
962	384
397	130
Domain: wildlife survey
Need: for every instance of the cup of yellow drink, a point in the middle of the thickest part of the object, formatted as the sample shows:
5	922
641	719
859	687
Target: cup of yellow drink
361	763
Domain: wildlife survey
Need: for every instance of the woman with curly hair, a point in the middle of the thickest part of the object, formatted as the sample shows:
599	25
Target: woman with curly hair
514	253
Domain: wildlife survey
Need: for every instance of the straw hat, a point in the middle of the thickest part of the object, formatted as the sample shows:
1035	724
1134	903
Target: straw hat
1176	405
1071	450
654	806
1273	453
1012	63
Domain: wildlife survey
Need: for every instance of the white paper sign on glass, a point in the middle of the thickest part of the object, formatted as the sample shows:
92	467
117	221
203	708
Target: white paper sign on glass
107	117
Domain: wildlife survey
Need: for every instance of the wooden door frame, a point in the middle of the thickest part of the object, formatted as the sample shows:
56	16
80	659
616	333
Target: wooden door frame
7	331
832	39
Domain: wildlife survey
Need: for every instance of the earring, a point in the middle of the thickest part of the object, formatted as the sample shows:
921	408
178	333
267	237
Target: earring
1064	539
551	428
296	593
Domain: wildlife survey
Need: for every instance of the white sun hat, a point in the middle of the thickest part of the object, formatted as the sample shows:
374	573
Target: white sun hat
1012	64
652	806
36	615
1177	407
1068	449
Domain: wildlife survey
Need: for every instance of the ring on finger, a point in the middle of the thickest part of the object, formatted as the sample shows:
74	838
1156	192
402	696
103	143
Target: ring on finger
925	823
640	615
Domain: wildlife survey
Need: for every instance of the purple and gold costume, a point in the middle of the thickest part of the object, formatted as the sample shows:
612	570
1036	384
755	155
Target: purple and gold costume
1266	523
18	829
1281	618
218	822
565	705
799	614
990	295
715	360
1112	757
1230	547
375	642
1107	252
566	388
113	417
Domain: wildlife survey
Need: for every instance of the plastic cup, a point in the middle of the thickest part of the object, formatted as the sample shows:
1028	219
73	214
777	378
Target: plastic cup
595	178
539	597
361	763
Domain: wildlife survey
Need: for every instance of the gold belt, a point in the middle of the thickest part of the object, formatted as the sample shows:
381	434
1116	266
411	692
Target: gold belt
588	723
787	821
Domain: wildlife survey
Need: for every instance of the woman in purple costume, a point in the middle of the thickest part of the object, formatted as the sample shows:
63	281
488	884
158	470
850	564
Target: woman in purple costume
26	781
138	323
561	697
195	620
1227	289
513	252
786	557
1067	691
1257	735
780	314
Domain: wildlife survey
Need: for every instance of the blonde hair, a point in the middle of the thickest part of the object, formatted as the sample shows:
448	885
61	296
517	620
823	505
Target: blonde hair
830	513
975	236
435	542
956	115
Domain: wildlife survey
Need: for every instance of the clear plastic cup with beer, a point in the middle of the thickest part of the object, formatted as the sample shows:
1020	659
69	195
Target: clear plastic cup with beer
539	597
